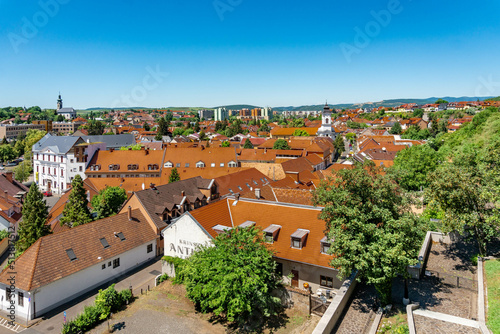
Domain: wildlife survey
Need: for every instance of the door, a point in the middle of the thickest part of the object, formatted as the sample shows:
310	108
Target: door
49	185
295	279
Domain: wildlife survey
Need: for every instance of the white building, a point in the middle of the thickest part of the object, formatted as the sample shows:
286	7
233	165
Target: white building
60	267
293	231
326	123
58	159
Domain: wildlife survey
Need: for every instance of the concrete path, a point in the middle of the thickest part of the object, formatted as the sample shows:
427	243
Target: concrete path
446	317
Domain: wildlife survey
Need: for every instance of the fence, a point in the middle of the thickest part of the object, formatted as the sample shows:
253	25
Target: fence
457	281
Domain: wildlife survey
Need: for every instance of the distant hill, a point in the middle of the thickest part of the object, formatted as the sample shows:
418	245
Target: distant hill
494	99
385	103
237	107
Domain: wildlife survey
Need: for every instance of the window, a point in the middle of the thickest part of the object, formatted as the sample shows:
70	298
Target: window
104	242
326	281
7	294
178	165
268	237
150	248
20	298
109	264
168	165
221	164
116	263
212	164
325	246
71	160
296	243
71	254
187	164
80	168
62	172
279	268
103	266
61	159
120	235
231	164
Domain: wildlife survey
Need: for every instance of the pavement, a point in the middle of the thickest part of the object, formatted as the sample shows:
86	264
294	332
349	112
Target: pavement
52	322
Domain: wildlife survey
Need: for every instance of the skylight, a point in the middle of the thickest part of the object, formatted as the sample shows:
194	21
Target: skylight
71	254
120	235
104	242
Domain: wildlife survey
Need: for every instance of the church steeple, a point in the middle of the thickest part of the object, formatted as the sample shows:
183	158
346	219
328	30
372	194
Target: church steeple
59	102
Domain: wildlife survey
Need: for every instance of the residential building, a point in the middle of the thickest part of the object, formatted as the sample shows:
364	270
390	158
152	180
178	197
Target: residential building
64	128
62	266
293	231
162	204
221	114
243	181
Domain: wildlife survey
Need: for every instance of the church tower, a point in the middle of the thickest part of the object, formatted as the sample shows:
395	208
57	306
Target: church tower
326	123
59	102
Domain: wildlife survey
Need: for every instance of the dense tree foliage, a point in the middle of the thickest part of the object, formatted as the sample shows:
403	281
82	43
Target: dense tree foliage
248	144
174	176
235	278
300	133
281	144
368	216
76	211
226	143
109	201
413	164
35	213
23	171
339	144
396	129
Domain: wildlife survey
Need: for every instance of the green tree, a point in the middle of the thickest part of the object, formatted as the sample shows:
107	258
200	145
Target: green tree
188	132
281	144
418	113
23	171
109	201
76	211
135	147
32	137
235	278
413	164
174	176
95	128
440	101
178	132
203	136
60	118
146	127
339	144
468	201
35	213
300	133
158	136
226	143
7	152
248	144
370	221
162	127
396	129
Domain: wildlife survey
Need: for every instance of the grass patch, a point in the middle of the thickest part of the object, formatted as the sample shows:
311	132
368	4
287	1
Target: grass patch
492	269
395	323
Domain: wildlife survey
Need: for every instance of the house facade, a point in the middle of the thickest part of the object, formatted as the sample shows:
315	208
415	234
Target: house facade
62	266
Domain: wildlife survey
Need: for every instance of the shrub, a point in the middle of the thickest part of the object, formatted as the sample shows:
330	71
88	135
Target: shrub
473	259
126	295
107	301
179	265
162	278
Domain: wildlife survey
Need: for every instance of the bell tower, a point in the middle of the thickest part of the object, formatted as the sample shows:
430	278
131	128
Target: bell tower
59	102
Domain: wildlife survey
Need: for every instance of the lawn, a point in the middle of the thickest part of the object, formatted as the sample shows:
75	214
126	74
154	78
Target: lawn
395	322
492	269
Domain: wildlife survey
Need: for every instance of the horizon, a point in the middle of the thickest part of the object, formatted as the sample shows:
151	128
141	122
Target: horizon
222	52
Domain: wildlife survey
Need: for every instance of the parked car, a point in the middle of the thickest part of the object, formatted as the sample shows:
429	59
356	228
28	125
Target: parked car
47	193
12	163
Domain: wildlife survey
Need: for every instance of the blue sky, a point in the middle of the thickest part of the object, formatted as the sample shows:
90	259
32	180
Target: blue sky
269	53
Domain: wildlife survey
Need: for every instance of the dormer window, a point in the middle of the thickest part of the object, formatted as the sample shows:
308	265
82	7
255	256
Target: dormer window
298	238
200	164
271	233
168	164
232	164
114	167
248	223
325	245
221	228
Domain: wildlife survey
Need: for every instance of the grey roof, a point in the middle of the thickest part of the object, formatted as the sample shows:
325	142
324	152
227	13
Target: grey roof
112	141
66	111
57	144
156	200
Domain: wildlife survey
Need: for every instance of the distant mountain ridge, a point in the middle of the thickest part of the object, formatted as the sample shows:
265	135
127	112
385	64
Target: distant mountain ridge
385	103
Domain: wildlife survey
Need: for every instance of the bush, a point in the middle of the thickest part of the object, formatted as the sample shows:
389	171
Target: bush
126	296
179	265
473	259
162	278
107	301
83	322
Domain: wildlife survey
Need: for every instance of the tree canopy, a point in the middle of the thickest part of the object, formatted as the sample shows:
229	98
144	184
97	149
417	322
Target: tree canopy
248	144
396	129
368	216
226	143
300	133
108	201
235	278
76	211
174	176
281	144
35	213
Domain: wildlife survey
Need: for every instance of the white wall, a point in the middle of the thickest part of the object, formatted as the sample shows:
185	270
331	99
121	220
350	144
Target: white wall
63	290
181	238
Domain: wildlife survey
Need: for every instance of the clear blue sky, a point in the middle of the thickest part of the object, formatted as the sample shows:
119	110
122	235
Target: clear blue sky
268	53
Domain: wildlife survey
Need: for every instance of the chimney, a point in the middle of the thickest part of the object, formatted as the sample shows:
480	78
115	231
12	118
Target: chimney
257	193
8	175
129	212
147	151
6	195
183	193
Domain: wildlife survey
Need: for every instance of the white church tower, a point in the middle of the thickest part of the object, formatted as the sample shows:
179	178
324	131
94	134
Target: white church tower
326	123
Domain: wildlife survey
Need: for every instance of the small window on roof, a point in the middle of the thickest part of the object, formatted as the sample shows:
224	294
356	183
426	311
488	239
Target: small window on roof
325	245
178	165
71	254
240	188
104	242
120	235
247	185
187	164
255	182
271	233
